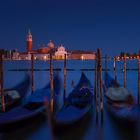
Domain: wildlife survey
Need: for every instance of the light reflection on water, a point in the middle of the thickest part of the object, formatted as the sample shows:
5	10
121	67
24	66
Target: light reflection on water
88	130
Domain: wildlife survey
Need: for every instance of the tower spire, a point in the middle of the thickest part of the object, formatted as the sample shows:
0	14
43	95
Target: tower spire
29	41
29	32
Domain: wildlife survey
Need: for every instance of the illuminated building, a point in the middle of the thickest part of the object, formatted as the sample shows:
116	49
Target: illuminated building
60	53
50	47
82	55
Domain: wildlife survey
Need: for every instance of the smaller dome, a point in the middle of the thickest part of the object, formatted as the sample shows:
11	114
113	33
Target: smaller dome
50	44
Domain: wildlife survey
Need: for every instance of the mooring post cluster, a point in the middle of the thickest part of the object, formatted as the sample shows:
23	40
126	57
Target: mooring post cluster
97	80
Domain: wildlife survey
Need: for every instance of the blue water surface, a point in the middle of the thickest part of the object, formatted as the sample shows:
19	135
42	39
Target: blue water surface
88	130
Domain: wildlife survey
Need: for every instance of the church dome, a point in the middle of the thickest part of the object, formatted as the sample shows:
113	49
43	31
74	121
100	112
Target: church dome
50	45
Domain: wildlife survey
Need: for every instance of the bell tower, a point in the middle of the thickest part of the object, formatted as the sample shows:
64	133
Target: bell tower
29	42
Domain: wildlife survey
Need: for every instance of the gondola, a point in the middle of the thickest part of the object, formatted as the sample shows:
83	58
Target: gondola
119	102
31	108
13	96
77	105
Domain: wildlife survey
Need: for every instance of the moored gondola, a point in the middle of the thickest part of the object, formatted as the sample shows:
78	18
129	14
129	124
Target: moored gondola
77	105
14	95
119	102
31	108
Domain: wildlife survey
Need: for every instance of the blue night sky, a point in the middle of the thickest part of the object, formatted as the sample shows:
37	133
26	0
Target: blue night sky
112	25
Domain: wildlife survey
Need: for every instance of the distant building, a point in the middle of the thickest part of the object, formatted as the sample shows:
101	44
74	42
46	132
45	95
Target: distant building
60	53
24	56
83	55
15	55
10	54
37	56
50	47
40	56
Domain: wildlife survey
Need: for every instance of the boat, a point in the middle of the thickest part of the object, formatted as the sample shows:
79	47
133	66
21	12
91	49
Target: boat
77	105
31	108
119	102
14	95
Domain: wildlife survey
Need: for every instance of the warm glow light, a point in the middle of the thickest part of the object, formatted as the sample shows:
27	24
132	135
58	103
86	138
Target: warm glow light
45	57
82	57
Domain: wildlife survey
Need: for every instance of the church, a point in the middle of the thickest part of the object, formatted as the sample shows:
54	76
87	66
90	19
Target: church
58	53
42	53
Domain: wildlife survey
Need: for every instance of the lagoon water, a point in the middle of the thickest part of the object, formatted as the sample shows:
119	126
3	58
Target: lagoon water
88	130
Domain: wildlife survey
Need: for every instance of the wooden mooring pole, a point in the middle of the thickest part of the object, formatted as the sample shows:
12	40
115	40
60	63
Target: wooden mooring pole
51	85
95	77
49	118
1	83
32	72
95	87
124	70
64	92
114	67
100	79
139	77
